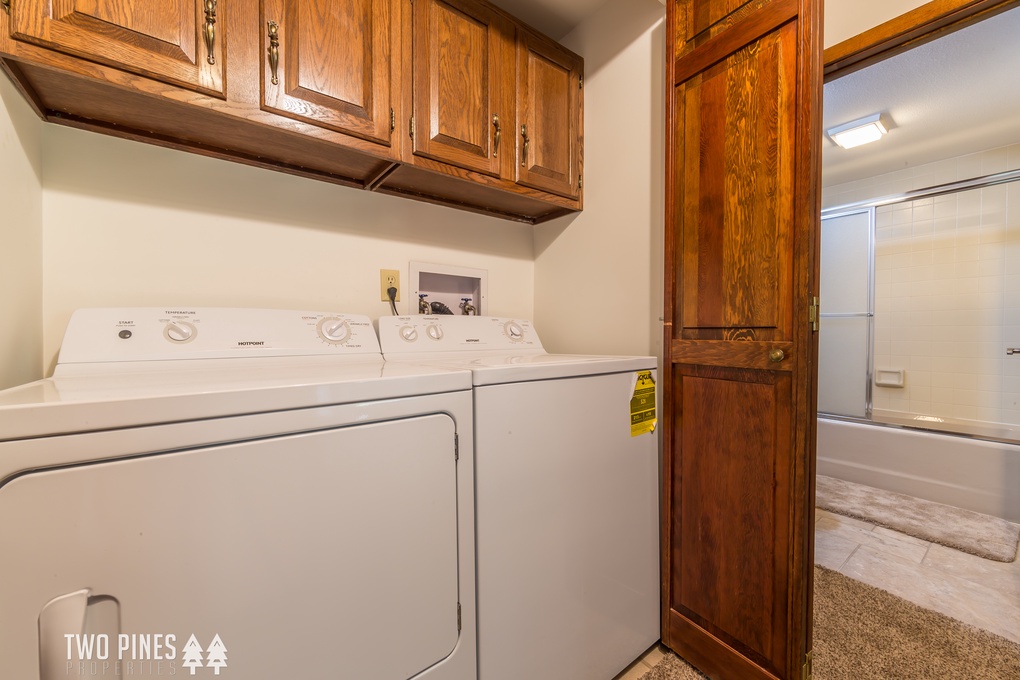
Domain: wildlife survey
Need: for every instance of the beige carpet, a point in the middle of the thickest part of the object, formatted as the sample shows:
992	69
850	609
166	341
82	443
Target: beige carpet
972	532
863	633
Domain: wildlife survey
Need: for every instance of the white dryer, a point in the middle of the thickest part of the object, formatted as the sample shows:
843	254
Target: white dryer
238	493
567	496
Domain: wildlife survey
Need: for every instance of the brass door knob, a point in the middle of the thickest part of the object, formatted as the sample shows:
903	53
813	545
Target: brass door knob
776	355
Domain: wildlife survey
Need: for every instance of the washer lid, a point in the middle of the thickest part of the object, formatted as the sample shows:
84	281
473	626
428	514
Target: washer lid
128	394
498	368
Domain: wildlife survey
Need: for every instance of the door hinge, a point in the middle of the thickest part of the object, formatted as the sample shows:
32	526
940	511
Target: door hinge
813	314
806	671
6	4
580	182
580	82
412	127
456	447
393	119
458	617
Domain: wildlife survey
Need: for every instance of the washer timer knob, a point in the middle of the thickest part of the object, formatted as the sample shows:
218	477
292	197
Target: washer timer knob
179	331
513	330
334	330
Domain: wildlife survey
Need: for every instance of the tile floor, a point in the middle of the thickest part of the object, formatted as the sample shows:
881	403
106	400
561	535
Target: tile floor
981	592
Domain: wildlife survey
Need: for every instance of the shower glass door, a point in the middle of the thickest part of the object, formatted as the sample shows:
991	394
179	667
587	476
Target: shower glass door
847	306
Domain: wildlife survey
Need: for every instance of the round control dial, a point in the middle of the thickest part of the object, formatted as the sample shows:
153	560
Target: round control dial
434	331
179	332
334	330
514	331
408	333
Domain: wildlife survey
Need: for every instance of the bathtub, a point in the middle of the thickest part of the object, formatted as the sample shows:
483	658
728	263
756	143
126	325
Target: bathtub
956	470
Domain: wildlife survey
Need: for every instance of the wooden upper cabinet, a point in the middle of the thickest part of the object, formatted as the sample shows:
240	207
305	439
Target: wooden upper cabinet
328	63
176	41
548	126
461	82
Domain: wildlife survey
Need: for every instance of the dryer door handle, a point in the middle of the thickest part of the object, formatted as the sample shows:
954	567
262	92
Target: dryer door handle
61	616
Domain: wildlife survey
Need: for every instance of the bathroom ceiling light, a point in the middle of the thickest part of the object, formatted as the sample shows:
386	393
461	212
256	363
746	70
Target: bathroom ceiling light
857	132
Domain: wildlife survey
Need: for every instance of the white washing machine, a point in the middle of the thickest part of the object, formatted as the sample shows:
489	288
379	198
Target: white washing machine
238	493
567	496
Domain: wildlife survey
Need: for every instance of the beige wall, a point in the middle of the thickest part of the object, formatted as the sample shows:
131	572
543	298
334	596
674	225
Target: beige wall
604	265
20	240
132	224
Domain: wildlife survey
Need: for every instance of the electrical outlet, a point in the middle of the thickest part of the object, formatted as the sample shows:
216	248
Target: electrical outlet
389	278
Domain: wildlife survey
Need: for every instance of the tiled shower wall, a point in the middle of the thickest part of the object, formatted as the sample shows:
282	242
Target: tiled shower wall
947	289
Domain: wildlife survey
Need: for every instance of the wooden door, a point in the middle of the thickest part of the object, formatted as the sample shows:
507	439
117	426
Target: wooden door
743	138
176	41
548	116
328	62
461	84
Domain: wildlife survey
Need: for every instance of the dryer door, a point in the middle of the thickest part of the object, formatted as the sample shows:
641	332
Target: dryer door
324	554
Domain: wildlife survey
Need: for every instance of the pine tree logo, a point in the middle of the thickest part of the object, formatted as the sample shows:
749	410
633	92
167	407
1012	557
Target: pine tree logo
193	654
216	655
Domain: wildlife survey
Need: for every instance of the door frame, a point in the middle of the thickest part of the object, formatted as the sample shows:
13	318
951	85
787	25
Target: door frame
916	27
913	28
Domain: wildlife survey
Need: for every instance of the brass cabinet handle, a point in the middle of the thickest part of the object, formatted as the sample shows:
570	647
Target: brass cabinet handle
499	133
776	355
274	50
210	30
527	143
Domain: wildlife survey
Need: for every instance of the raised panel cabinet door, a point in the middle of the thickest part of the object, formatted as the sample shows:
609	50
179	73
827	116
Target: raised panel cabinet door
175	41
741	270
460	84
328	62
548	116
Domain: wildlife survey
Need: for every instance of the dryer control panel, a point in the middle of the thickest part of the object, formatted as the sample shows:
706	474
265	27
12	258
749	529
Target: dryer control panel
104	335
442	333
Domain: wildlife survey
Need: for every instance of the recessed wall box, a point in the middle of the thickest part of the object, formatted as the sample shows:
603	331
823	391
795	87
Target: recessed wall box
889	378
449	285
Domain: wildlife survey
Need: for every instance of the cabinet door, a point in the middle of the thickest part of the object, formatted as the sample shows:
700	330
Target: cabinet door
177	41
459	81
327	62
548	116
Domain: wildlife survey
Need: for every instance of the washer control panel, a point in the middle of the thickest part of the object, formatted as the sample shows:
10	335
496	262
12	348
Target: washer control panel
155	334
440	333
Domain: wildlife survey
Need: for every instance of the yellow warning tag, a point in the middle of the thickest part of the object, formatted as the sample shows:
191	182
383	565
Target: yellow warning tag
642	405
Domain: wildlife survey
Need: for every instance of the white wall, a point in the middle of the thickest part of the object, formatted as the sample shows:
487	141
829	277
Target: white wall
604	266
131	224
20	240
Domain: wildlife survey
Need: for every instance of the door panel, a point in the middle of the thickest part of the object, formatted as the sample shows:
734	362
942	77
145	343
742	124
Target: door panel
318	549
736	221
742	223
333	64
548	118
460	84
162	40
733	544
